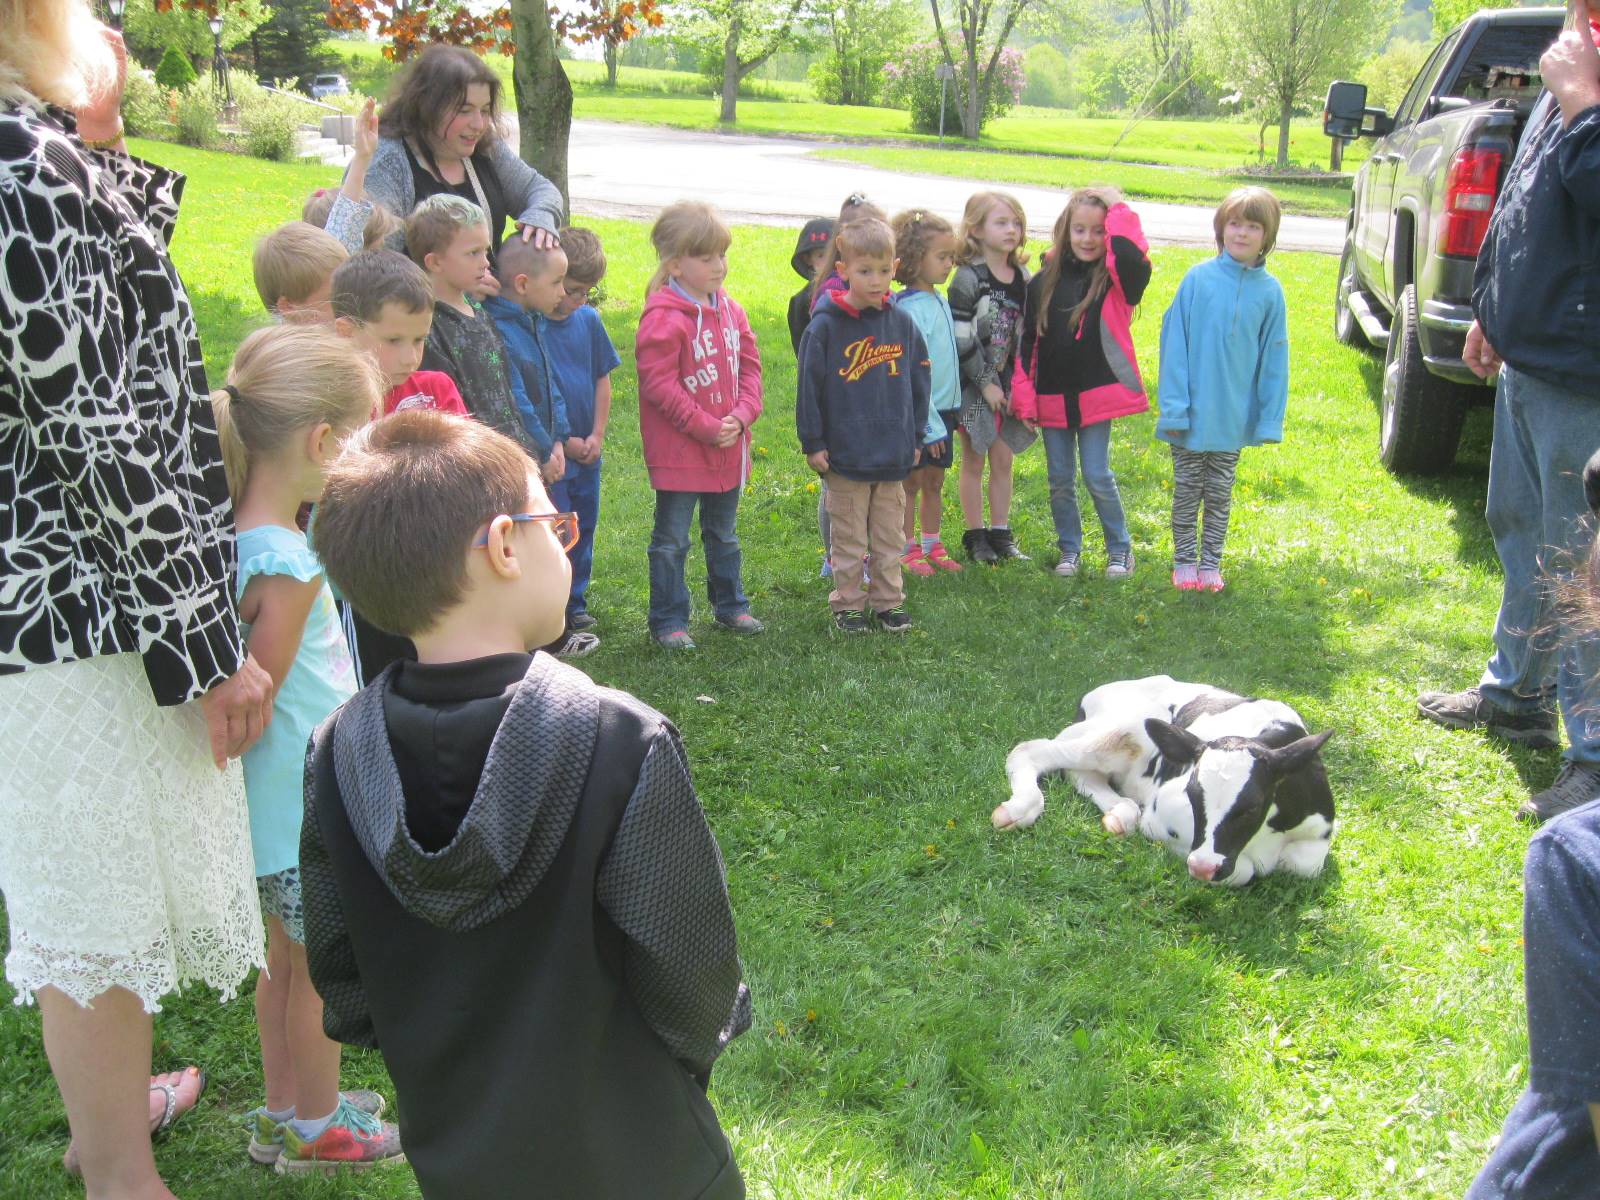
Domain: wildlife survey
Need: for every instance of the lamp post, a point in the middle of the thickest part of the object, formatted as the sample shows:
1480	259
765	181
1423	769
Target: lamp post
219	66
115	7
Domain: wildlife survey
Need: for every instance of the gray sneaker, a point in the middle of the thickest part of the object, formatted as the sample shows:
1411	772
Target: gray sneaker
1577	784
1470	710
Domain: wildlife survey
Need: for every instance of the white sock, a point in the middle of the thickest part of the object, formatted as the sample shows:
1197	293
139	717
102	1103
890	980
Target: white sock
307	1130
928	543
281	1115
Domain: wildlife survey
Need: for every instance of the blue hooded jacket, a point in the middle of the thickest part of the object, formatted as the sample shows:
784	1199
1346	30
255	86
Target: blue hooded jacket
1224	378
533	381
864	386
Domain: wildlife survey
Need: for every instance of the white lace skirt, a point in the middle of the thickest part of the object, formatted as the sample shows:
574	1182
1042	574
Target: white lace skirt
124	853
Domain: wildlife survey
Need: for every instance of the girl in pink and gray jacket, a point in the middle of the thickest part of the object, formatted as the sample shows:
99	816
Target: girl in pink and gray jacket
1076	369
699	393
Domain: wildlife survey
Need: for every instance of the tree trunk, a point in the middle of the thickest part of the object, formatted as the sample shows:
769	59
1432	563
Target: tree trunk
730	70
972	104
543	93
1283	134
612	52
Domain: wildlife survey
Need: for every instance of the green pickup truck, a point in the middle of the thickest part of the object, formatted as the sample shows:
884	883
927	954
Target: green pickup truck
1418	214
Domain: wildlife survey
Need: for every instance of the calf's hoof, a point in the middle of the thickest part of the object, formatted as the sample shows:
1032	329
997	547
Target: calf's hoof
1001	818
1113	825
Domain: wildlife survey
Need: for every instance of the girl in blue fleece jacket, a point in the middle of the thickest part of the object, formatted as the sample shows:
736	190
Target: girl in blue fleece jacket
1224	378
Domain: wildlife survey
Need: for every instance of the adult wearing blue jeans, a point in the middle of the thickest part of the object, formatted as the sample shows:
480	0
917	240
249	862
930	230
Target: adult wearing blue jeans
1536	297
579	492
669	552
1063	450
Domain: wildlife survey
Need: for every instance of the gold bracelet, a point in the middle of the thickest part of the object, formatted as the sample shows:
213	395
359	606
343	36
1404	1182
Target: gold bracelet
106	143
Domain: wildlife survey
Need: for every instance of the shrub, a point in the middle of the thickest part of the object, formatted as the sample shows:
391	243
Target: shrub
1389	74
175	71
270	123
144	103
197	117
910	83
1048	82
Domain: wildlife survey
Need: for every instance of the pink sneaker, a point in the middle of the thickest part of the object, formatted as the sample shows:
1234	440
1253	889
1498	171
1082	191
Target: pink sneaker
915	561
1186	577
1211	579
940	559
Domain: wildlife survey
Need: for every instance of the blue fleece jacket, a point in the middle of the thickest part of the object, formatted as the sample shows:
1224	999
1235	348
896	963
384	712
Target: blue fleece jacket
931	312
533	381
1224	359
864	386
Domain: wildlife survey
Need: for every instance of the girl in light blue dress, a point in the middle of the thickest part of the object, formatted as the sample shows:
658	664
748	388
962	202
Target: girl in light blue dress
294	393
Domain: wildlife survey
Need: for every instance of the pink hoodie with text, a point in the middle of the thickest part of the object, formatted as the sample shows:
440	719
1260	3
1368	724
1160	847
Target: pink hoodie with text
697	364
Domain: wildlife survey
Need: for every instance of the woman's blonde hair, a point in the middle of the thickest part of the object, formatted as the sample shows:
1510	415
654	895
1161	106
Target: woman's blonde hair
1103	198
979	206
914	234
51	51
284	379
684	230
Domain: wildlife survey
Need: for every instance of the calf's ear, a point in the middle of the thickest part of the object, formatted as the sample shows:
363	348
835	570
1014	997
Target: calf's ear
1288	759
1177	746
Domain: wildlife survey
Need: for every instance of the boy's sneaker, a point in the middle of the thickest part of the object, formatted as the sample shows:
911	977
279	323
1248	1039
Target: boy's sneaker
976	543
1005	546
827	567
581	620
744	624
852	620
678	639
1471	710
576	643
895	620
1119	565
1577	785
266	1135
1069	564
915	561
352	1139
941	559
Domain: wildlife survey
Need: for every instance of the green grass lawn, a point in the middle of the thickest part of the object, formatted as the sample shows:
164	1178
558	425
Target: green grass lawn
944	1011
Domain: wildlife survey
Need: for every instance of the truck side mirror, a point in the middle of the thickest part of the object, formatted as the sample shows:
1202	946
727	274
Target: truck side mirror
1344	110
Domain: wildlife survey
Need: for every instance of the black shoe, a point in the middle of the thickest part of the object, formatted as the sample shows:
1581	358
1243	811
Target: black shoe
976	543
852	620
581	620
1005	546
896	620
1577	784
1470	710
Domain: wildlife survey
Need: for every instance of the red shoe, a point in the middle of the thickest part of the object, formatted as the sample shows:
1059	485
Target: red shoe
916	562
940	559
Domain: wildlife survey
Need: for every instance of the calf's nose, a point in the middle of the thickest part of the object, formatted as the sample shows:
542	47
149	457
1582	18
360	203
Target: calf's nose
1202	869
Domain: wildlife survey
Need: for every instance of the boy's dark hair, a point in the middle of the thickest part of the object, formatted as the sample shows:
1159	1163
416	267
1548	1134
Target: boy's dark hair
400	509
518	257
373	278
434	224
586	260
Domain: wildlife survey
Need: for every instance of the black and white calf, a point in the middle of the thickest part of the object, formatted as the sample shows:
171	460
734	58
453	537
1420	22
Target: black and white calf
1233	784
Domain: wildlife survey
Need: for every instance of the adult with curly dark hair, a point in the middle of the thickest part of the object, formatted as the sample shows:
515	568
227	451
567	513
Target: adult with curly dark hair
125	859
440	132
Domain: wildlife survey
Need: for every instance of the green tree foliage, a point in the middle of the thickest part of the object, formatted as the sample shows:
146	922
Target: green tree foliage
739	36
1389	74
971	36
1283	53
1111	74
175	71
914	85
1447	14
149	31
861	36
289	45
1048	81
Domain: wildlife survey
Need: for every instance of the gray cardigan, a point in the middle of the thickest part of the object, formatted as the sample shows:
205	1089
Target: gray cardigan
533	198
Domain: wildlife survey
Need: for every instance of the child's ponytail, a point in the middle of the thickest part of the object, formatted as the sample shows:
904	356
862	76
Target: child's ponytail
684	230
286	378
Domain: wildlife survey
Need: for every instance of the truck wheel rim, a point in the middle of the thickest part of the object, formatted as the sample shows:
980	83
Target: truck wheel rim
1391	389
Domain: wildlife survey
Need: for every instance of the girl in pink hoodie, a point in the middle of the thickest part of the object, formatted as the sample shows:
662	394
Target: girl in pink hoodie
699	393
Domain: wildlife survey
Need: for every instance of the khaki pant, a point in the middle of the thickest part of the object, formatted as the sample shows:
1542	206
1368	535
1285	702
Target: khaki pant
866	518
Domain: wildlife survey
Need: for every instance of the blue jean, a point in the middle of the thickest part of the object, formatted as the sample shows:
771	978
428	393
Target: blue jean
1063	448
669	551
1543	435
579	492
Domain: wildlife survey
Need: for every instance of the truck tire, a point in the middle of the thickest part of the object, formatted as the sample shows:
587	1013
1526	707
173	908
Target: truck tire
1421	414
1345	326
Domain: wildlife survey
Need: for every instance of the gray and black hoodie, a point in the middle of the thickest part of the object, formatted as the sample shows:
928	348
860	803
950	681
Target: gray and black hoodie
511	891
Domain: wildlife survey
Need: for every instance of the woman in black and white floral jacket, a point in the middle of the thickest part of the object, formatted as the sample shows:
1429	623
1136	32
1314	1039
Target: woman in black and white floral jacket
125	856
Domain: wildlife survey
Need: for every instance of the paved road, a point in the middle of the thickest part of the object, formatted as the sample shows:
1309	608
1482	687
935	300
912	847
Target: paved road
635	170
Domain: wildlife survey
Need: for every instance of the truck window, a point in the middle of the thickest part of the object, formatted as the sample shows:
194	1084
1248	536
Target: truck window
1422	85
1503	63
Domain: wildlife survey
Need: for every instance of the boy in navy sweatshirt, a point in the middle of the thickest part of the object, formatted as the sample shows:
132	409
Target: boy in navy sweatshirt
862	404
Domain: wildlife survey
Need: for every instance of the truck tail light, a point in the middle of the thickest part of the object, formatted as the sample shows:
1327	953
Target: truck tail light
1469	194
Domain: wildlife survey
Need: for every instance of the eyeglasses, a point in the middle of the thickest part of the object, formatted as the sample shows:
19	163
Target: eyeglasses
563	524
589	295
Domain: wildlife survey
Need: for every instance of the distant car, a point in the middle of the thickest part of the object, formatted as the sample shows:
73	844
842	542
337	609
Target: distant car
329	85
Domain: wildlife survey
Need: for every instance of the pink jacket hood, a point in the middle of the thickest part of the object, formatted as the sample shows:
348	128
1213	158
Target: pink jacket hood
698	364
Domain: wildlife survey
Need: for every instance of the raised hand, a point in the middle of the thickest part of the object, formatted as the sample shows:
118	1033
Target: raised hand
366	134
1571	67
